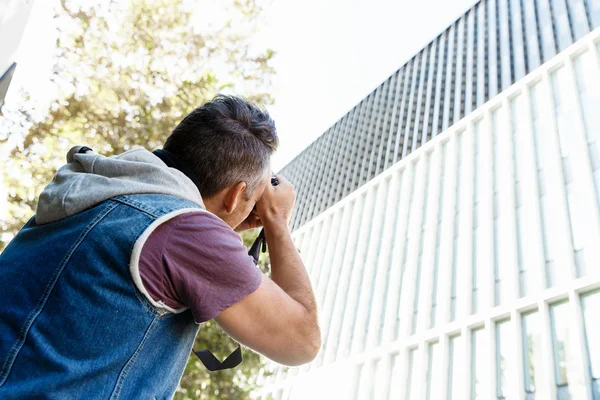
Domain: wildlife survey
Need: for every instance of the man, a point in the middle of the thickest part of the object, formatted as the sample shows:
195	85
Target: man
104	290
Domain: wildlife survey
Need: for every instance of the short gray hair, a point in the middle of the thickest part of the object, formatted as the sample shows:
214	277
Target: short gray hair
226	141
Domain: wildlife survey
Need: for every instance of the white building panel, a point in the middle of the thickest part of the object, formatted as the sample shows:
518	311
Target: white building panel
469	269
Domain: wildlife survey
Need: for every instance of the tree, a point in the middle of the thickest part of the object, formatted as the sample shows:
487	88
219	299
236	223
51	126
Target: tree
126	74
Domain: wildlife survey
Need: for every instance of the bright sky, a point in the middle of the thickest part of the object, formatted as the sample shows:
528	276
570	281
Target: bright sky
330	55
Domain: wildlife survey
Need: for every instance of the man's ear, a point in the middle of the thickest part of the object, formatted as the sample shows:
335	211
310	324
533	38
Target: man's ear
234	196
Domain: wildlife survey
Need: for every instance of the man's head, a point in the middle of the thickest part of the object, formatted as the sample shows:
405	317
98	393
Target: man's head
228	142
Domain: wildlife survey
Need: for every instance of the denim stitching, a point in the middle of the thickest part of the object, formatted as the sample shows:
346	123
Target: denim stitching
12	355
127	367
125	199
137	205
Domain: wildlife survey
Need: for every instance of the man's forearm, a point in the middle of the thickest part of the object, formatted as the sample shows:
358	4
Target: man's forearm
287	268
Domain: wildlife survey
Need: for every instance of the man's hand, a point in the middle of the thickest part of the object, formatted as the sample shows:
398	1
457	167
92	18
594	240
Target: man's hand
253	221
275	206
277	202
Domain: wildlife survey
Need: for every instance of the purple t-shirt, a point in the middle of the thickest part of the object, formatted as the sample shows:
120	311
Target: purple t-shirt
196	260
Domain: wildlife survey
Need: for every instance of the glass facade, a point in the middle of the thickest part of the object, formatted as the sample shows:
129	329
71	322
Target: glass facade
484	52
456	255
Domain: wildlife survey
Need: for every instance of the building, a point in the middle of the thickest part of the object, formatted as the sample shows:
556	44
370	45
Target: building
13	19
451	220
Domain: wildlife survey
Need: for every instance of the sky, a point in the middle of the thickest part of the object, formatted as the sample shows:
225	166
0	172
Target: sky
330	55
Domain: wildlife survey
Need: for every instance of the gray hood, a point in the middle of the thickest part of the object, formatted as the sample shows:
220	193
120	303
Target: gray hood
88	179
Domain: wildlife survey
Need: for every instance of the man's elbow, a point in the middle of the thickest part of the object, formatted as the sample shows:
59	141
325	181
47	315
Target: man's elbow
309	345
302	354
314	348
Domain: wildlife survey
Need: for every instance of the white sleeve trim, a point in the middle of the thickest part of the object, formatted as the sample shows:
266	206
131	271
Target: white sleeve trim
134	266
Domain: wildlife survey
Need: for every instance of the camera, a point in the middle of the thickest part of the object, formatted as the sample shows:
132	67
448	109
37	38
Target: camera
261	243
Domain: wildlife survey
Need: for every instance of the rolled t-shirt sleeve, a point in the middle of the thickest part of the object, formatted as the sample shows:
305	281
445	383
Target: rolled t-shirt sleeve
197	261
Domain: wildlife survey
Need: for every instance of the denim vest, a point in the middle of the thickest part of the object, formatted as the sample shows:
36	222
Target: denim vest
74	320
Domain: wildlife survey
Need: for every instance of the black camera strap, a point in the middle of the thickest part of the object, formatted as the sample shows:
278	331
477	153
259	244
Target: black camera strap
213	364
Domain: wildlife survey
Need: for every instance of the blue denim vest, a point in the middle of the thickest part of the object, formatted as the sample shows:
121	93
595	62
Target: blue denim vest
73	323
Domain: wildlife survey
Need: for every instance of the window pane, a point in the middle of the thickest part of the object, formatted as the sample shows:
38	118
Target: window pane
432	67
531	352
450	64
410	114
505	51
412	386
594	10
478	364
481	54
561	330
561	19
395	385
420	100
459	73
578	18
591	304
545	26
434	370
366	384
470	63
439	86
357	373
518	45
456	372
533	52
504	360
492	50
